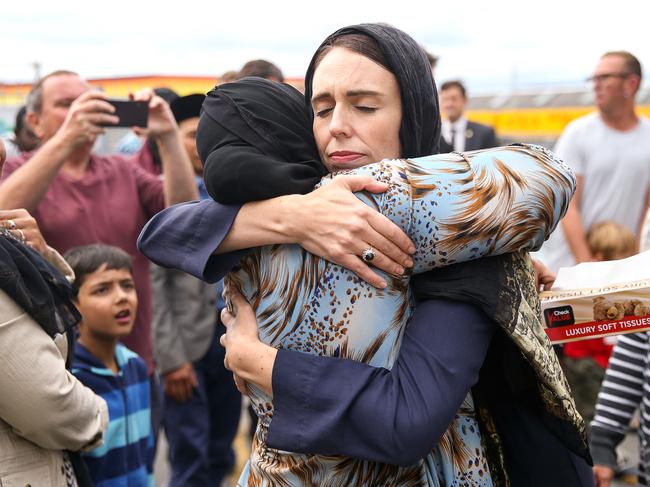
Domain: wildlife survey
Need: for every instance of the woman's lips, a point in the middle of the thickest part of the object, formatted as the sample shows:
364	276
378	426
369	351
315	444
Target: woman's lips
343	157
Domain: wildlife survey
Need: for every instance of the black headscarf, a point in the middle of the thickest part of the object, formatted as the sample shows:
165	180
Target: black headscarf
419	132
255	141
36	286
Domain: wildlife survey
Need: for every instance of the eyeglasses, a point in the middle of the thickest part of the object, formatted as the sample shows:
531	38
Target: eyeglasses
599	78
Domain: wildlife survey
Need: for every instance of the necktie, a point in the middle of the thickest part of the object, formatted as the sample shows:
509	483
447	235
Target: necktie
453	138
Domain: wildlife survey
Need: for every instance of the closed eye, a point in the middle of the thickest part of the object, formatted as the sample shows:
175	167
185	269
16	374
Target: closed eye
323	112
366	109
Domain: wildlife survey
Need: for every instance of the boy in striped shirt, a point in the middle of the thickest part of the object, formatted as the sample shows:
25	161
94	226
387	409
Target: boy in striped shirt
108	302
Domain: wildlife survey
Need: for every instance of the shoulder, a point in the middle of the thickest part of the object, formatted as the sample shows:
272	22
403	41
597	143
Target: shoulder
583	124
479	127
129	359
644	124
13	163
10	311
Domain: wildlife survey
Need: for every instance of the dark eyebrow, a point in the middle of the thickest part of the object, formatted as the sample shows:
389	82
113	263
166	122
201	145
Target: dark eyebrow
102	283
320	97
351	94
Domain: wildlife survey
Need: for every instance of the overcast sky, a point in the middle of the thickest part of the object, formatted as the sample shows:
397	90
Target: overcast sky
492	45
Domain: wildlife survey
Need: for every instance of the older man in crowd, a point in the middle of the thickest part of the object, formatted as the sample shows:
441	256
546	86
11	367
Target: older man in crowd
79	197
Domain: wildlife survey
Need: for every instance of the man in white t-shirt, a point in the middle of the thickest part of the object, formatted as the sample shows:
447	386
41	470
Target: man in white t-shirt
610	153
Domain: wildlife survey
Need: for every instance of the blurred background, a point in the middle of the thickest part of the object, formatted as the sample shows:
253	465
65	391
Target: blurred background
524	63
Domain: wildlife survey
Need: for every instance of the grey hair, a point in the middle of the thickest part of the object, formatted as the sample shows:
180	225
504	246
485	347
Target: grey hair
35	97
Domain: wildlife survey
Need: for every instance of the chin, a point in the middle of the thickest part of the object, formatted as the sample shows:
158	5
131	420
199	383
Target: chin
122	331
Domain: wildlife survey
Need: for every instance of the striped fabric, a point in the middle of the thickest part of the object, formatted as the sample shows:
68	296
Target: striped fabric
625	388
126	457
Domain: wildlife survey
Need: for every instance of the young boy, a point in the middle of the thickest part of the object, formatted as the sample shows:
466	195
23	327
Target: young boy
107	300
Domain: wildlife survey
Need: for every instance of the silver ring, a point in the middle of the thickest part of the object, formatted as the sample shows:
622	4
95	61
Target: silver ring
368	254
12	224
22	235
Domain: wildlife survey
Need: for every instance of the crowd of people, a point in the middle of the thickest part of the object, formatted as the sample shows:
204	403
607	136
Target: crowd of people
385	323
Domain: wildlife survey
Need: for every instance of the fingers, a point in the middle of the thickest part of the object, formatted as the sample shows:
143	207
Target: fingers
145	94
237	299
96	105
227	317
362	270
361	183
180	390
14	214
91	95
395	243
241	384
188	389
101	119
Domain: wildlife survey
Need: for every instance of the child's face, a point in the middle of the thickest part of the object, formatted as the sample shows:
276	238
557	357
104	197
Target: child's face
108	302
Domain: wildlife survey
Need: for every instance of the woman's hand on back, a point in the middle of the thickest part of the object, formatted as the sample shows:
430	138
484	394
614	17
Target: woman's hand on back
247	357
334	224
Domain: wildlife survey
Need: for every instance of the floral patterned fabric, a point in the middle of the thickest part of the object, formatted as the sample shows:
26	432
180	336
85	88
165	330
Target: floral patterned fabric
455	207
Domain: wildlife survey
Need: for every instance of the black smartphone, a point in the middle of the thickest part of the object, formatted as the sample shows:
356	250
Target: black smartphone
131	113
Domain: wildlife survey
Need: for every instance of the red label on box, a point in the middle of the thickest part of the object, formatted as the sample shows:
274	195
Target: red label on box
597	329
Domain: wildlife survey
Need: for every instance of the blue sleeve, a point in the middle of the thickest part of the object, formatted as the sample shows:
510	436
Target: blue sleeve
329	405
184	237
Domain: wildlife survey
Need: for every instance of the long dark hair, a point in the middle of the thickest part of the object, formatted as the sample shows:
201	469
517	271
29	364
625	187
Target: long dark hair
398	52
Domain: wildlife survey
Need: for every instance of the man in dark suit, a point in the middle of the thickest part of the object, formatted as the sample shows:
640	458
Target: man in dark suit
459	134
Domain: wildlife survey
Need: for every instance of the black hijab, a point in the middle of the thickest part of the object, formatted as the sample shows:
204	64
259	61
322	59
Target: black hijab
420	129
255	141
36	286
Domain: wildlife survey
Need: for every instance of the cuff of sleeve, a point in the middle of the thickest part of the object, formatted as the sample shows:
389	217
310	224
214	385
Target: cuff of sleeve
170	362
60	263
102	417
292	385
200	260
602	446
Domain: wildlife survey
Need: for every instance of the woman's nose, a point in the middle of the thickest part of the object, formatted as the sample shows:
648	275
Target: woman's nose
340	123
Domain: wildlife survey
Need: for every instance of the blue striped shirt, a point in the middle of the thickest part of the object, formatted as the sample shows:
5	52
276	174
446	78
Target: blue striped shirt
126	457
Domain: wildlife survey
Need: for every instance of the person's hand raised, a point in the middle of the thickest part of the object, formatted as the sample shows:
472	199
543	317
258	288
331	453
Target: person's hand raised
86	119
161	120
334	224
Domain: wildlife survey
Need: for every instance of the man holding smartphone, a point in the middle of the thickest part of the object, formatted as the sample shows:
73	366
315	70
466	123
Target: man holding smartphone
79	197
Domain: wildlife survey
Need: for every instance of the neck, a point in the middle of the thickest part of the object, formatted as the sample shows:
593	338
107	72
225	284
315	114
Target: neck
77	162
454	120
620	118
102	348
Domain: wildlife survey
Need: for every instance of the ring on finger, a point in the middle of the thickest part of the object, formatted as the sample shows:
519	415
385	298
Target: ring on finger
368	254
22	235
12	224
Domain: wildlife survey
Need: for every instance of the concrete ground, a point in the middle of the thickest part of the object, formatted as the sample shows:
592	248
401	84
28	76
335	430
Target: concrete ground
162	471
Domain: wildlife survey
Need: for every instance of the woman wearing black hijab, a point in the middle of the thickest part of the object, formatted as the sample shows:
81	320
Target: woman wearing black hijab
409	143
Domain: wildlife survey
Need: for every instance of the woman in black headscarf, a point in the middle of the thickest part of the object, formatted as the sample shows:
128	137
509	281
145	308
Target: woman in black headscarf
495	285
44	410
255	141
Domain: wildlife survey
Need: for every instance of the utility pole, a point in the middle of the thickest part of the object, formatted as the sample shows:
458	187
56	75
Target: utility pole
36	66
